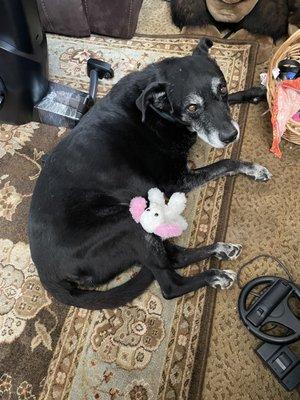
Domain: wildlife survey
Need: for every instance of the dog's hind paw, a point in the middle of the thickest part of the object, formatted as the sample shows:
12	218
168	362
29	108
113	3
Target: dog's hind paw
227	251
224	280
258	173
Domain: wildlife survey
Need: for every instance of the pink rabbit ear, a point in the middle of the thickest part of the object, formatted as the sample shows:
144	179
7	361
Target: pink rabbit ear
137	207
166	231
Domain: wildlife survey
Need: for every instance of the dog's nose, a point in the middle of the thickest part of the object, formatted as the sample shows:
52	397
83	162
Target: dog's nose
230	136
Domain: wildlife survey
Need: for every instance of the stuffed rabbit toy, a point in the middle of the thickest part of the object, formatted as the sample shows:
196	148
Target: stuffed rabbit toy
164	220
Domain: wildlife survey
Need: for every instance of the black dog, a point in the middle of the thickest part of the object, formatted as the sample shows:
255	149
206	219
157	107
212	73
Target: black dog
135	138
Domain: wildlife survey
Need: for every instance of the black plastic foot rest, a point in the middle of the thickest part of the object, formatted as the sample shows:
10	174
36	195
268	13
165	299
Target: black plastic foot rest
284	364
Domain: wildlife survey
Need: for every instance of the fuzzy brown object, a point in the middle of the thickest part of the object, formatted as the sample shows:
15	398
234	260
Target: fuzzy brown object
259	17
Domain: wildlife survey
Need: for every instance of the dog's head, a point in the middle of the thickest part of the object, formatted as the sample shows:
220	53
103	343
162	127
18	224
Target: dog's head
193	90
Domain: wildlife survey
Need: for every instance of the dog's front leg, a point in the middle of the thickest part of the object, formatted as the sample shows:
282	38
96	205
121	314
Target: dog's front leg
253	95
197	177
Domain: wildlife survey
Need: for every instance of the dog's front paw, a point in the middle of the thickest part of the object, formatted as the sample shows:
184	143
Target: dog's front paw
227	251
223	280
257	94
258	172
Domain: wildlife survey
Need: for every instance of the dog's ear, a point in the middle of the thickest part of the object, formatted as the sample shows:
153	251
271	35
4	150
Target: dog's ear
203	46
155	93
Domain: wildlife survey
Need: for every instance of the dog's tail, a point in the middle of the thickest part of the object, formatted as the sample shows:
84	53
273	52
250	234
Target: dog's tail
65	292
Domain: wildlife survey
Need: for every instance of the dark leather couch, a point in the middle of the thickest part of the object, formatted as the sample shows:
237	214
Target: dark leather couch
117	18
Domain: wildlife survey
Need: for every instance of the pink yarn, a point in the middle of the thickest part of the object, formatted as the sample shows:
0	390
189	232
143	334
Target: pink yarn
296	117
166	231
137	207
286	105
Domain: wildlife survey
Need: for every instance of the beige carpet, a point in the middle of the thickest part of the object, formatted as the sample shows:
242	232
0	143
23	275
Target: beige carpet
265	219
155	19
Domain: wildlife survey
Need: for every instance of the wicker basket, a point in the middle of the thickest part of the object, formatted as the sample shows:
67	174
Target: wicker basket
289	49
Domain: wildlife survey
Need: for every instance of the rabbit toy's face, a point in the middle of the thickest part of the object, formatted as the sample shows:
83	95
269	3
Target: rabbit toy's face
152	217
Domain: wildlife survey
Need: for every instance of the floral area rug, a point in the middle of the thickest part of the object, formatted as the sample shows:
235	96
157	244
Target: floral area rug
145	350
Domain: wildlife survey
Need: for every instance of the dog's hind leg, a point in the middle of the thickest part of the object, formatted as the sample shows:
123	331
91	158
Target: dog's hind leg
174	285
181	257
155	258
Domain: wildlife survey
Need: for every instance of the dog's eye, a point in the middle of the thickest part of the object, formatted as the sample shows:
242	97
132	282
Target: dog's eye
223	89
155	215
148	209
192	108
